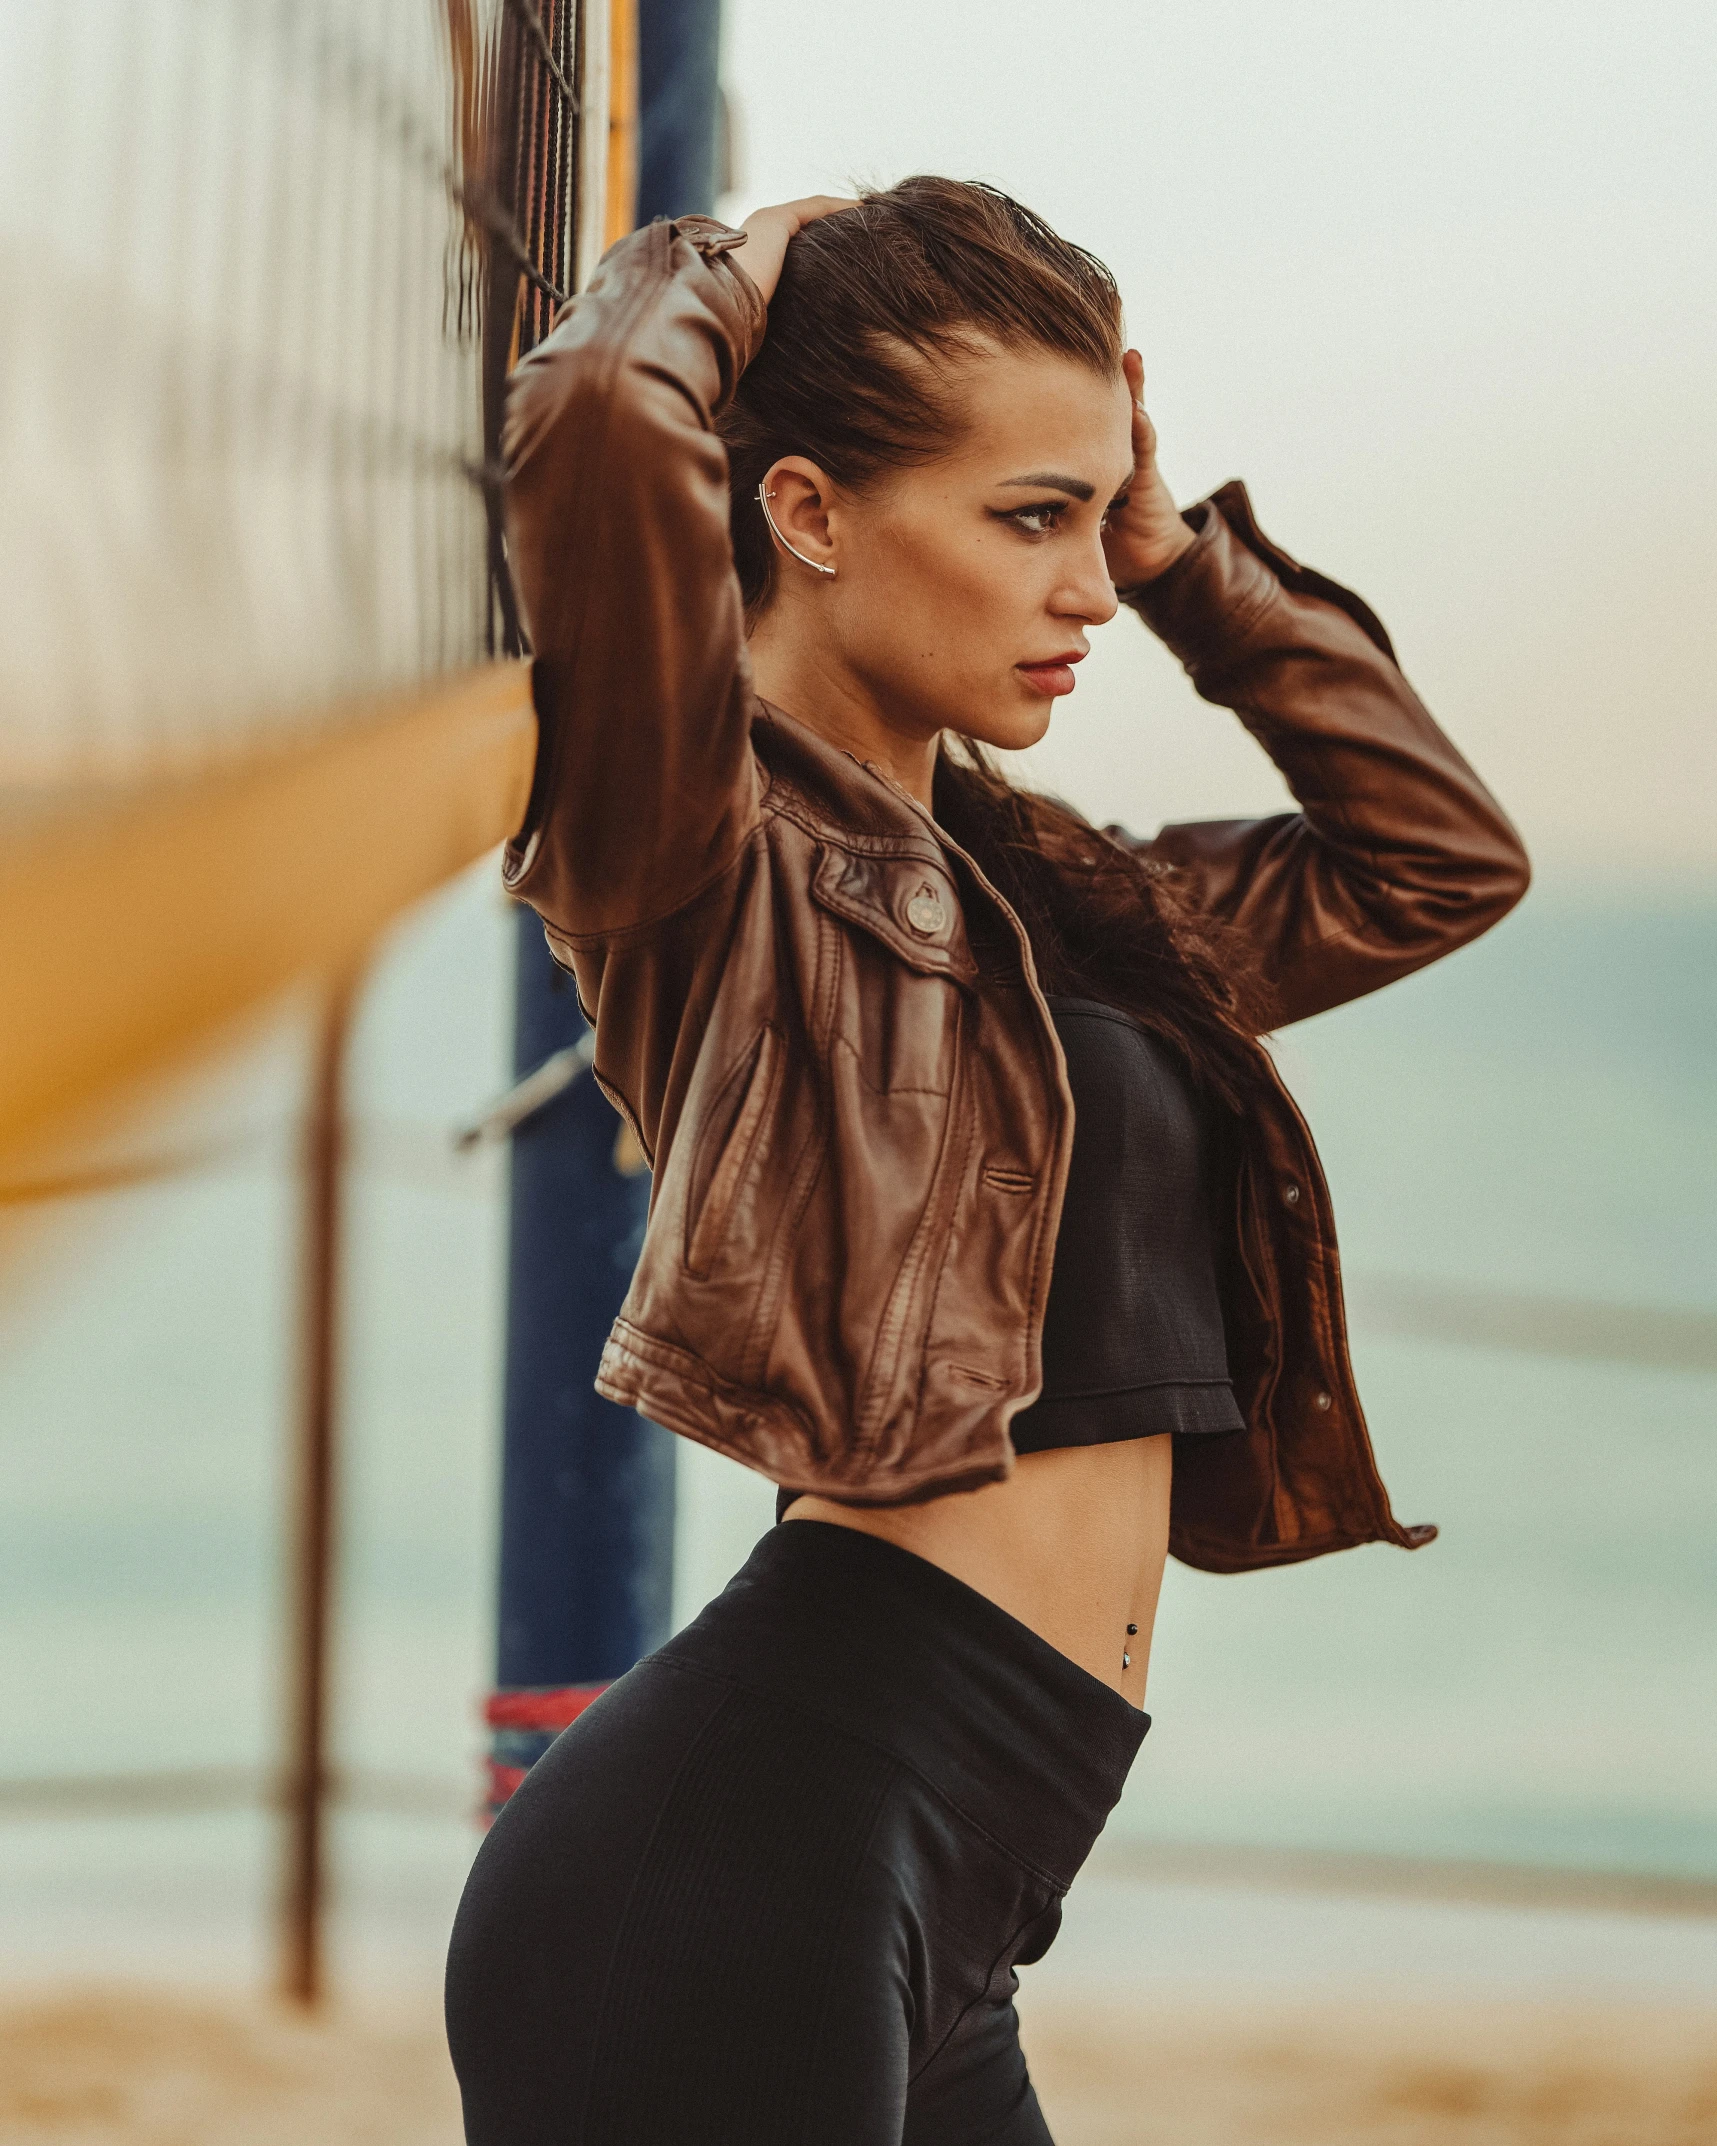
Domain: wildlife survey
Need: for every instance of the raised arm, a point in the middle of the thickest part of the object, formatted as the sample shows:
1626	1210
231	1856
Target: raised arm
617	527
1398	854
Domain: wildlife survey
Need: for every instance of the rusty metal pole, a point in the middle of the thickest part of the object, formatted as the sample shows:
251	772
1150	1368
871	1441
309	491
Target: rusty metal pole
306	1770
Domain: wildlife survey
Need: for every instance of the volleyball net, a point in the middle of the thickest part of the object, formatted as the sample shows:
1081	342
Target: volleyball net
268	264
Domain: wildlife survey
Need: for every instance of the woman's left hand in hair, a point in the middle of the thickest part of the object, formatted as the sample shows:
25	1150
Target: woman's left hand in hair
768	233
1145	537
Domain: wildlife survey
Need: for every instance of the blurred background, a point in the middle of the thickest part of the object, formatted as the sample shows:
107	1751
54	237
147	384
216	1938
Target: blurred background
1420	1847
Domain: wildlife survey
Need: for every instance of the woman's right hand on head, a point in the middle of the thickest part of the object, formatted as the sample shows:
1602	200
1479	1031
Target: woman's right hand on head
768	230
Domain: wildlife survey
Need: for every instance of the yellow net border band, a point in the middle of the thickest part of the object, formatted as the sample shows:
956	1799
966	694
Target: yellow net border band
133	930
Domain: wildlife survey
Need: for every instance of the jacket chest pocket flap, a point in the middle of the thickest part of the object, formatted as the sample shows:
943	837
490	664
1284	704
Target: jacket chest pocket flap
906	902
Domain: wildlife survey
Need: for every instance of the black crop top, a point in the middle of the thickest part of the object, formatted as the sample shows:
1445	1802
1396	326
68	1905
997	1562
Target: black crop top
1132	1337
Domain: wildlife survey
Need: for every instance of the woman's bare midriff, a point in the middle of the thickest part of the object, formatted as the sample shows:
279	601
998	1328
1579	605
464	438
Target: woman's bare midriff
1072	1544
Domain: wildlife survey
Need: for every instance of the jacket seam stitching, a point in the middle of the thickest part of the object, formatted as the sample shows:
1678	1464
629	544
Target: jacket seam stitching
907	843
760	1330
698	1372
617	933
647	290
662	274
1309	1545
688	1423
626	1109
1249	611
840	1043
1335	806
971	1139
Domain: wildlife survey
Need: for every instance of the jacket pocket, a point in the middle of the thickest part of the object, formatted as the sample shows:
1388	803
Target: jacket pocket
908	904
899	966
726	1143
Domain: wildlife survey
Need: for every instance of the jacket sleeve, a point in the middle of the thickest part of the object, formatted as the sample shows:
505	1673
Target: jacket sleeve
617	529
1398	854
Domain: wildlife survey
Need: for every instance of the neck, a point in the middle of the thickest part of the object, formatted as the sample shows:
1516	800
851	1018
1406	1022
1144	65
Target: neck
795	671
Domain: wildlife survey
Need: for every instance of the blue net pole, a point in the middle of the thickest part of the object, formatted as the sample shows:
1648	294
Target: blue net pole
678	106
587	1496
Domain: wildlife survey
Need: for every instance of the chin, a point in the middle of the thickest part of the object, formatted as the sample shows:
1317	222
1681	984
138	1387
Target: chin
1011	732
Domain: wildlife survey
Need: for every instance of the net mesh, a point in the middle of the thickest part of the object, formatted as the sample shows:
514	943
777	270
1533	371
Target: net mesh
267	262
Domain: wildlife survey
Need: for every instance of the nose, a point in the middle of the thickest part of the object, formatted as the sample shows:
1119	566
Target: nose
1087	594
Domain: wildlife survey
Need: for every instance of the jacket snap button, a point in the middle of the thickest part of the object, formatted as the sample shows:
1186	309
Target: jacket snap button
1320	1400
1291	1193
925	914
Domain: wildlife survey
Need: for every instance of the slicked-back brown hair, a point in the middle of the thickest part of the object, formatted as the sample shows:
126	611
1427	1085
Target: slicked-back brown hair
873	306
859	371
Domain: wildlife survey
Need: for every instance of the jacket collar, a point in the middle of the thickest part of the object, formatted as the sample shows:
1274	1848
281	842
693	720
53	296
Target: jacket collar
833	794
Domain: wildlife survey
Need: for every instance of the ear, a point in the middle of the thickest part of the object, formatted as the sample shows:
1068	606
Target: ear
800	497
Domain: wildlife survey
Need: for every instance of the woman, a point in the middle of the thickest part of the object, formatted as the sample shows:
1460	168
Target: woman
980	1223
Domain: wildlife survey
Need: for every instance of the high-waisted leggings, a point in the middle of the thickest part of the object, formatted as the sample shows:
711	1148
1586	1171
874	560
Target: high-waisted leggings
771	1889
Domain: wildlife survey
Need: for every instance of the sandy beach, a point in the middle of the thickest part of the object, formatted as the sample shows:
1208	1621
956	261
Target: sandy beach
1168	2013
124	2067
1364	2074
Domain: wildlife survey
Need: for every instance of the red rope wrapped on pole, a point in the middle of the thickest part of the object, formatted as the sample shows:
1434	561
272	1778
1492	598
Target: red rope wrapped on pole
522	1723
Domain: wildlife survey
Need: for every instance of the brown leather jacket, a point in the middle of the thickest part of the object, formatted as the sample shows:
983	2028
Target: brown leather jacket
822	1022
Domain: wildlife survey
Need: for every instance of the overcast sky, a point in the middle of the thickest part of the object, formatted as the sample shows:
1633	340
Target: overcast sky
1440	282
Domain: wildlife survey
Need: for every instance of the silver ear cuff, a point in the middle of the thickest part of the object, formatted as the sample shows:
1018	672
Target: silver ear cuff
815	565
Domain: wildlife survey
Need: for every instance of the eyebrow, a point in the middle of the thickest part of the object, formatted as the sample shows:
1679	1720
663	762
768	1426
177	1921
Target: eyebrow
1048	480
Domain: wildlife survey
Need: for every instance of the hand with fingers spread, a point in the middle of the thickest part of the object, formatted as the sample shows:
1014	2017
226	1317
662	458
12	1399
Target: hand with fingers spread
1145	537
767	232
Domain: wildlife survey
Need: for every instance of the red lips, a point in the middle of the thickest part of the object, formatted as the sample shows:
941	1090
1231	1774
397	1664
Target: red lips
1053	676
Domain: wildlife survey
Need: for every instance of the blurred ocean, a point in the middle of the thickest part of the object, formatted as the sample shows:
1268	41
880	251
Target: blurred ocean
1539	1686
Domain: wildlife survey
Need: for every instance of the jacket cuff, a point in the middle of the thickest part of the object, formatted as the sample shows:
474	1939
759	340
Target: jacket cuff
1217	588
717	243
1203	603
709	234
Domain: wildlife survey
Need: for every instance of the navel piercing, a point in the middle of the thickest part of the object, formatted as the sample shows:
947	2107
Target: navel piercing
1126	1658
815	565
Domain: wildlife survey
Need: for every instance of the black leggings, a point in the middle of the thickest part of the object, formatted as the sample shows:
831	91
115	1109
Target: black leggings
770	1890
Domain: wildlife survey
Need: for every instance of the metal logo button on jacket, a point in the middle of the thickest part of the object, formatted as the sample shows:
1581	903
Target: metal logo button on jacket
925	912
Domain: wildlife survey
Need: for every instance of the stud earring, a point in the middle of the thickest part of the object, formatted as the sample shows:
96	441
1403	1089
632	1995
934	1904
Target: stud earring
815	565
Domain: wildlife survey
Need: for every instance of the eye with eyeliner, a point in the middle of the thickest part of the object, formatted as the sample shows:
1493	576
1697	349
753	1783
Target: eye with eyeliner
1026	519
1041	518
